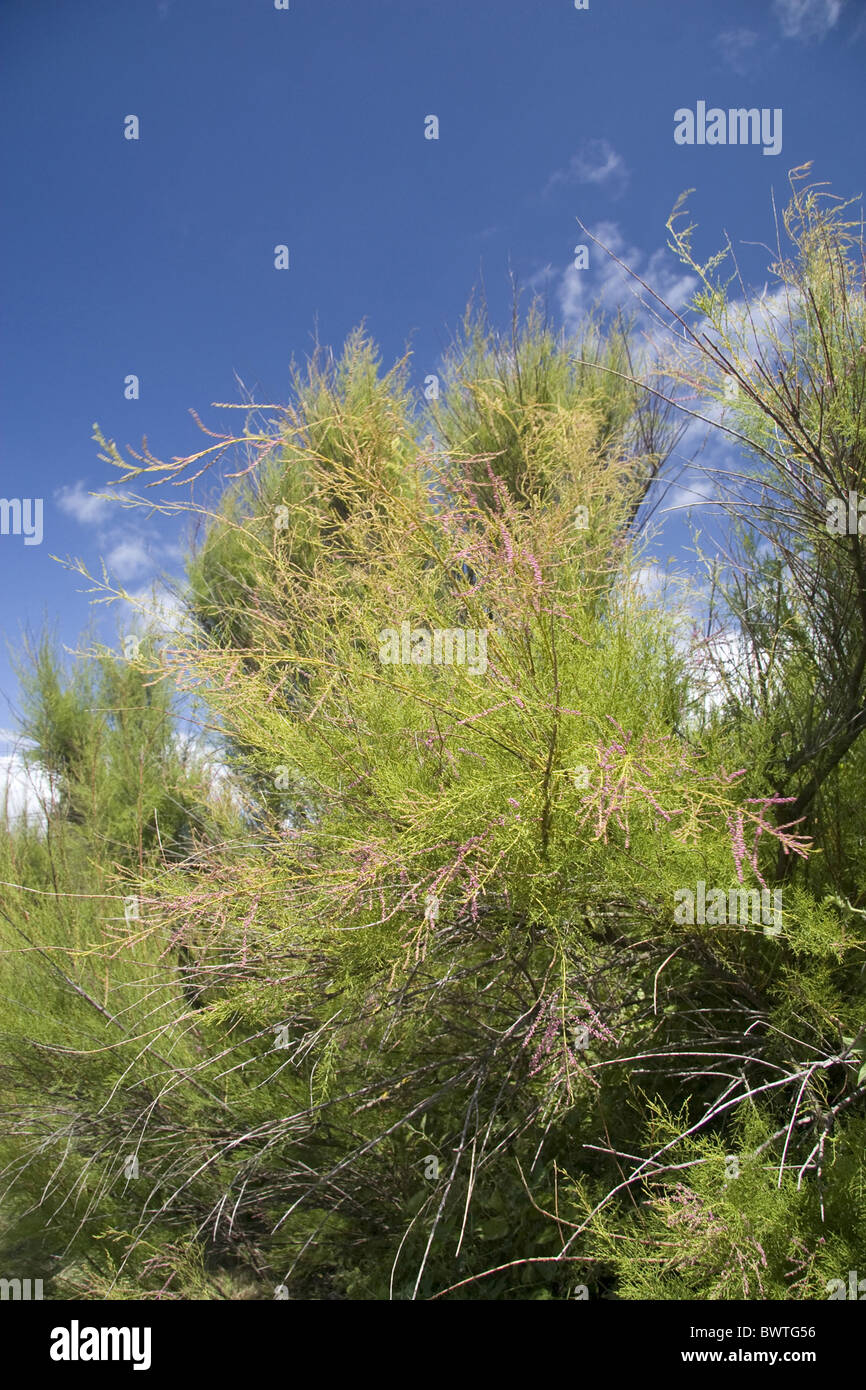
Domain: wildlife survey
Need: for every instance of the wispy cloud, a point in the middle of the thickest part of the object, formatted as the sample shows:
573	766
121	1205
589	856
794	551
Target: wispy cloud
160	610
129	551
693	490
807	19
77	502
739	50
539	281
611	287
596	162
25	792
649	580
128	558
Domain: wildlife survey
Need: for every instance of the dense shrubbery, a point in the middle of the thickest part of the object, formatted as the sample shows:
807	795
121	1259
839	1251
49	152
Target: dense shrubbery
406	1010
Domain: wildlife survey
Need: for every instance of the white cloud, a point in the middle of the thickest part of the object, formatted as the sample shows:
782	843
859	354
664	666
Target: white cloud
692	491
24	792
609	284
160	610
129	552
665	275
738	49
82	505
716	666
128	558
807	19
539	280
596	162
649	580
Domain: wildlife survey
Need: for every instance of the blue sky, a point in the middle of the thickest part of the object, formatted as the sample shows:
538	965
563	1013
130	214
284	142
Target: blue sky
261	126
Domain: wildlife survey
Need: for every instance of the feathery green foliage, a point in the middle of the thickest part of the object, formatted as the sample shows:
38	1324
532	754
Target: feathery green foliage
423	1019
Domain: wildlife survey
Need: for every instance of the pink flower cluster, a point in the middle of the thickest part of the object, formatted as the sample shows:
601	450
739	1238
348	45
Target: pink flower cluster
558	1026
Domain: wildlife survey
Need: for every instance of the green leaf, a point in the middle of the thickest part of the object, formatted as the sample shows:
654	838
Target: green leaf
497	1228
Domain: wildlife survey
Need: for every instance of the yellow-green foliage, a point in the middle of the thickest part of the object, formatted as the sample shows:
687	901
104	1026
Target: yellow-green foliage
413	1015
